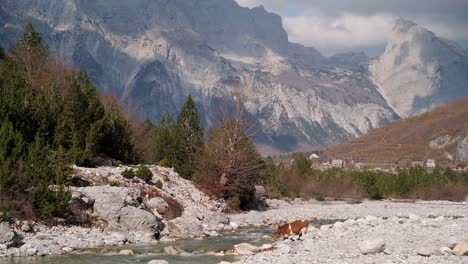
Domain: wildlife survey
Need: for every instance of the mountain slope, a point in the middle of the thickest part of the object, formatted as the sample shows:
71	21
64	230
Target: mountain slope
152	54
440	134
419	71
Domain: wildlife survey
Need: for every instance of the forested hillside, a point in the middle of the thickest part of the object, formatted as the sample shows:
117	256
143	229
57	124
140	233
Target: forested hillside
51	116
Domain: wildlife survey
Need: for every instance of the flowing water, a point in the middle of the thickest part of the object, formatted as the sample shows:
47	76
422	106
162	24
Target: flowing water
145	253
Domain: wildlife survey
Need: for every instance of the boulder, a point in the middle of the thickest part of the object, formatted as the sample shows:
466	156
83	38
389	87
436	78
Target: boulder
245	249
6	233
372	246
185	226
234	225
158	261
461	249
428	251
254	218
117	207
157	204
350	222
170	250
446	251
215	219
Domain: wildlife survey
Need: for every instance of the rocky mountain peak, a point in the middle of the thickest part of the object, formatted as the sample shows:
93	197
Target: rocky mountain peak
419	70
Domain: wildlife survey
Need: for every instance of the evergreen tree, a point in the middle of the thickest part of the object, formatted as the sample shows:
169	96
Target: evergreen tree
11	152
190	138
167	141
31	40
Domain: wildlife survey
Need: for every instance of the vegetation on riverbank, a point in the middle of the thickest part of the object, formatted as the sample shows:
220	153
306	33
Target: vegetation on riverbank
300	180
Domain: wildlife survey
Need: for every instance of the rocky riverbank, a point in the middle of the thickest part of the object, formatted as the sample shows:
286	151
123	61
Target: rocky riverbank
121	211
370	232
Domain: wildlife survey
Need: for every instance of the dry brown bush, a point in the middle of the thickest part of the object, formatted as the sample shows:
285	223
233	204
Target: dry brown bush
450	192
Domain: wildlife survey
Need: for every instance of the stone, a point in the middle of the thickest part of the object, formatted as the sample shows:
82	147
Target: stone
254	218
212	234
157	204
372	220
338	225
350	222
234	225
27	227
324	227
126	252
31	251
372	246
186	226
428	251
111	204
245	249
414	218
461	249
284	259
446	251
452	242
67	249
158	261
170	250
283	248
6	233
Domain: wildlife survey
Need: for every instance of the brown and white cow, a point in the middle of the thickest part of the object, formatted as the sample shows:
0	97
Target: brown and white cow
286	231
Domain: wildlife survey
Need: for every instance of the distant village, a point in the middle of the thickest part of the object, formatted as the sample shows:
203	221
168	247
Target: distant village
390	167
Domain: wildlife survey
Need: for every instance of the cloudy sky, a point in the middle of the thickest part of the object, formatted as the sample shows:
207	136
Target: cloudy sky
354	25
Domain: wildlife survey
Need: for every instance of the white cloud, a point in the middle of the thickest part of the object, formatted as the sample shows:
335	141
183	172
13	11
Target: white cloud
339	34
363	25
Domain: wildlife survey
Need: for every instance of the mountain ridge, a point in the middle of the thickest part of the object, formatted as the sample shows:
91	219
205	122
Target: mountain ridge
440	134
151	54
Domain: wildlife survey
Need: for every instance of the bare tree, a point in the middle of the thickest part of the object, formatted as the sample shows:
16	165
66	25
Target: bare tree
229	166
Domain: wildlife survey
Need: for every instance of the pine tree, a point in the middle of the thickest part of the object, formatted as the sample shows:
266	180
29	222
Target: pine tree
31	56
167	141
31	40
11	152
190	138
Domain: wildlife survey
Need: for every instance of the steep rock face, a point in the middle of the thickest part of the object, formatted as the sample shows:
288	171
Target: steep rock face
152	54
419	71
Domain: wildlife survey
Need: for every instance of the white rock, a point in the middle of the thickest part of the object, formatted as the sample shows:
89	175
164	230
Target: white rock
126	252
234	225
324	227
67	249
338	224
446	251
350	222
6	233
170	250
283	248
245	249
414	218
428	251
461	249
158	261
372	246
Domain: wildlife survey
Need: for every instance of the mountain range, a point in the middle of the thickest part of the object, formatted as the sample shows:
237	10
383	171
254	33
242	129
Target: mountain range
153	53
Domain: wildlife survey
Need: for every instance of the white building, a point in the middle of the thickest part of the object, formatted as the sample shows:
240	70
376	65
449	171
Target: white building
337	163
430	163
